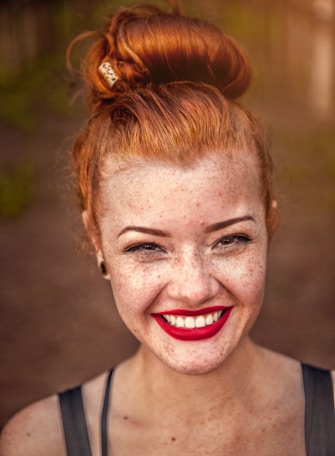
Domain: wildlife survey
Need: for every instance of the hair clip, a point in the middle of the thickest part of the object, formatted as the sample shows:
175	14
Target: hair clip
108	73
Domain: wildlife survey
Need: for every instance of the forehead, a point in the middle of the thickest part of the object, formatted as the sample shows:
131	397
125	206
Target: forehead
137	179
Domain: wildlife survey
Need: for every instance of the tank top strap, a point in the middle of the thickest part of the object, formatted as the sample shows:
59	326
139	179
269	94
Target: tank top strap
74	423
104	416
319	411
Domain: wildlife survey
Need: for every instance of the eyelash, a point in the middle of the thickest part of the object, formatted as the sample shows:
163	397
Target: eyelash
225	241
145	247
237	240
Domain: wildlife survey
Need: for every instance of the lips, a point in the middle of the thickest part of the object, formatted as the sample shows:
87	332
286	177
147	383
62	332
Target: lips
190	325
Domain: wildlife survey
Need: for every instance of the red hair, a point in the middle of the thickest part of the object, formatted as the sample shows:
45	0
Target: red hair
174	100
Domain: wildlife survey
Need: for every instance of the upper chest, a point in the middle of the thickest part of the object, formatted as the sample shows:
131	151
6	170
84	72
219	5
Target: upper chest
273	435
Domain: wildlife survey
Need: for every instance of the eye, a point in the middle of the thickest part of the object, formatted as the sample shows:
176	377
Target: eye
232	240
144	247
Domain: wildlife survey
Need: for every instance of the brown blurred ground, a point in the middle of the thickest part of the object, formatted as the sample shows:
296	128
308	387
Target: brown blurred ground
58	323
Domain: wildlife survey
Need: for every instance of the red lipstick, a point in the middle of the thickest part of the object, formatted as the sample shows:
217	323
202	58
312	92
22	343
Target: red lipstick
192	334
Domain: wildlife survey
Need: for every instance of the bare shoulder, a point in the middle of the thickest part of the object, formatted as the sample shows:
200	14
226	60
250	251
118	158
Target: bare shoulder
288	368
35	430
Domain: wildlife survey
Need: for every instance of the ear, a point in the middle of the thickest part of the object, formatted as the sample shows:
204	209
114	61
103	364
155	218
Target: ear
96	244
90	233
273	219
102	265
274	205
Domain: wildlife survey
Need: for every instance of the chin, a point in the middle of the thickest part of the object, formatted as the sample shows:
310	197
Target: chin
197	366
196	361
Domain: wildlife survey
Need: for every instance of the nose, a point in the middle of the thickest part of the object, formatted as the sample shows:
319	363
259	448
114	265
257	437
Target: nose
192	281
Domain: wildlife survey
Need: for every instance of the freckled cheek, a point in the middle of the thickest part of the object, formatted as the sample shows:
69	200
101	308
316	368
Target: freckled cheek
245	279
252	281
135	287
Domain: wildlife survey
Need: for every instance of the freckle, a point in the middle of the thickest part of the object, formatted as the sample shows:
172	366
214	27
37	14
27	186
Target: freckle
125	417
173	439
28	434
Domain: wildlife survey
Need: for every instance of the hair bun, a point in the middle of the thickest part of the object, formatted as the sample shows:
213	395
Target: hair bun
146	45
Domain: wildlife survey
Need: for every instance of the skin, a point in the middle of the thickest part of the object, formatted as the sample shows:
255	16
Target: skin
187	239
210	250
199	240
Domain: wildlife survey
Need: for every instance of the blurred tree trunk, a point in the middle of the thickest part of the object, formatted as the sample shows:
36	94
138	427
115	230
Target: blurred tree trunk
30	29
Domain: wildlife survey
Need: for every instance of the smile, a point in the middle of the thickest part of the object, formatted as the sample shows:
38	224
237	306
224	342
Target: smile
193	325
193	322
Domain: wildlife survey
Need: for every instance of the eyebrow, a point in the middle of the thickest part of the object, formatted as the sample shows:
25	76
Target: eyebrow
143	229
210	229
233	221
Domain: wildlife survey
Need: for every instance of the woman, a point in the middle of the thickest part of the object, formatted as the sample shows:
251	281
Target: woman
174	180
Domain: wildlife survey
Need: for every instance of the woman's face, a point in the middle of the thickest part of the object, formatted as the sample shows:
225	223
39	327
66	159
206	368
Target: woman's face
185	250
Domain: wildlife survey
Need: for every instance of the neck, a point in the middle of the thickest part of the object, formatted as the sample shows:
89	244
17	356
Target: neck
188	394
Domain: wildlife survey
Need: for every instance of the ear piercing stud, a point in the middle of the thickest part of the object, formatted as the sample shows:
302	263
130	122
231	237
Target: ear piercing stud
103	268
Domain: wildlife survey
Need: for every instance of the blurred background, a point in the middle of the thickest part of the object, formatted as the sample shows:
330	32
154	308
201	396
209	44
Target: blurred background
58	324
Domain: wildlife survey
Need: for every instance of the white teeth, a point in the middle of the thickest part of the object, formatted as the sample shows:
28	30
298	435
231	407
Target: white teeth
189	322
193	322
209	319
200	322
180	322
